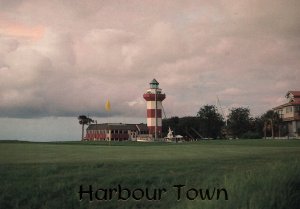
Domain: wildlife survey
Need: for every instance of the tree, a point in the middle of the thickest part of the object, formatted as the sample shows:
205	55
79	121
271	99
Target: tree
255	130
257	126
170	122
211	122
181	126
272	122
84	120
239	121
188	126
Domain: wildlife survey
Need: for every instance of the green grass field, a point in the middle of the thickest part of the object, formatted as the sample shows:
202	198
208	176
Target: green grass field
258	174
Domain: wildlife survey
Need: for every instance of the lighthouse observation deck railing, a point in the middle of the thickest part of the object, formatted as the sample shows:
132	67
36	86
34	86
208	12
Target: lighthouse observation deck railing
151	97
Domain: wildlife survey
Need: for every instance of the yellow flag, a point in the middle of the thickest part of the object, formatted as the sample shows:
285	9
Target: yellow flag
107	105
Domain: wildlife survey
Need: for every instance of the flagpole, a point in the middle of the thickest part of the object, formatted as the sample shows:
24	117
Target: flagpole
155	116
107	108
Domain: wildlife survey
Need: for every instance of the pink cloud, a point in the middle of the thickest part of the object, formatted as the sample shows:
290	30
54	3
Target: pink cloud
20	30
86	52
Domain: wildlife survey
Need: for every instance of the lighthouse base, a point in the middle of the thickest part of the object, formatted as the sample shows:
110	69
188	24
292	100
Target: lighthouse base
158	130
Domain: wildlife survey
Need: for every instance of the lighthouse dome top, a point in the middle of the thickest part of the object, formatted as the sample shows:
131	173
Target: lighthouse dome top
154	84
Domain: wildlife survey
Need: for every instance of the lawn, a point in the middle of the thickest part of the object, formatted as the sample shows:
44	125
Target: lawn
252	173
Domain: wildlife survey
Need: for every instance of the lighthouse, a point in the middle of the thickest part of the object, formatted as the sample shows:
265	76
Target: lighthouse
154	98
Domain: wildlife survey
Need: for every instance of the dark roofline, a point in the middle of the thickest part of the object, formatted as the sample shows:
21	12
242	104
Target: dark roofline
113	126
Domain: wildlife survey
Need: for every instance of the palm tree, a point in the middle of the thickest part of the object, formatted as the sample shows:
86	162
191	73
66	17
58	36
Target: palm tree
84	120
273	119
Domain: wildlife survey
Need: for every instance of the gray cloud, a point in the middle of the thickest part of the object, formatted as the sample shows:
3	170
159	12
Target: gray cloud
68	57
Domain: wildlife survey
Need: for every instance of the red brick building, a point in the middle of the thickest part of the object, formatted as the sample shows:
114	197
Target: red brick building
117	132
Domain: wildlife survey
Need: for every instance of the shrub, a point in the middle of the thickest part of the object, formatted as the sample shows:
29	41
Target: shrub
251	135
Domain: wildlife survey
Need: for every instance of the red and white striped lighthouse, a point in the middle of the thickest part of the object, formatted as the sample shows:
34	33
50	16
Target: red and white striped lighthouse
154	98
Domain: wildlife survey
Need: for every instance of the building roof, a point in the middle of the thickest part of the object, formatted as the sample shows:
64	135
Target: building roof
294	97
142	127
117	126
294	93
295	102
154	81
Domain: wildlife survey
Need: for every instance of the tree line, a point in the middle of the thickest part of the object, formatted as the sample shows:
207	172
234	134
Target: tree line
208	123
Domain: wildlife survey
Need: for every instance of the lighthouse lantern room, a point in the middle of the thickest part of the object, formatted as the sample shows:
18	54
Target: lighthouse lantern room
154	98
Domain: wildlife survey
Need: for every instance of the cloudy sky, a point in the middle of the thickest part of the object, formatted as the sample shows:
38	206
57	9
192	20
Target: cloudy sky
63	58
